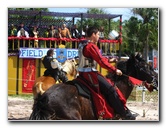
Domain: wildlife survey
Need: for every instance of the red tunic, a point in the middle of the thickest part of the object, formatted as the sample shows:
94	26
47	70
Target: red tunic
92	51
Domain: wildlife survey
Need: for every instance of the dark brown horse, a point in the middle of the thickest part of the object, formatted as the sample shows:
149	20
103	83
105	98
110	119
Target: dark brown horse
63	102
44	82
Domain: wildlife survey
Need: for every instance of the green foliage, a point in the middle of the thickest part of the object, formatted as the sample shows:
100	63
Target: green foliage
148	32
23	96
132	27
98	22
141	34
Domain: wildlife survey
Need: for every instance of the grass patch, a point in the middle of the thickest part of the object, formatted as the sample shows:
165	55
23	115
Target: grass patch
139	92
23	96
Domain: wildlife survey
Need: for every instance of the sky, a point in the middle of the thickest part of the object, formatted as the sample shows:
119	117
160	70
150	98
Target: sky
125	12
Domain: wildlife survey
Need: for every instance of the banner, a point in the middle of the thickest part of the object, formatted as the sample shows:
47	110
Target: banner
61	54
34	52
28	75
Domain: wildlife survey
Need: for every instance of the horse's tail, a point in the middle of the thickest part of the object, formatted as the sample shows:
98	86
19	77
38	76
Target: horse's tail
40	108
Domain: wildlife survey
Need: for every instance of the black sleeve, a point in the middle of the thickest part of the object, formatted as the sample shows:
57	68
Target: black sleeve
46	62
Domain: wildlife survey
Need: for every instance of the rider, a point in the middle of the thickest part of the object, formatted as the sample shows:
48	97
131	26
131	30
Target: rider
89	55
53	67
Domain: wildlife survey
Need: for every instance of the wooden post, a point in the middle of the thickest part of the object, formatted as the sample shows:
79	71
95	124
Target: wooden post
120	36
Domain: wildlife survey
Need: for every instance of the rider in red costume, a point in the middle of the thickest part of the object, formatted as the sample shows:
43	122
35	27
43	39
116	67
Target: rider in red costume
89	55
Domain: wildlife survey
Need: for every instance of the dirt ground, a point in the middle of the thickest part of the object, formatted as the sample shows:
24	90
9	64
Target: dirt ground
20	109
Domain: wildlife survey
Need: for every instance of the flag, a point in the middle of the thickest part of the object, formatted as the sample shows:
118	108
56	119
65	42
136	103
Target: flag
135	81
138	82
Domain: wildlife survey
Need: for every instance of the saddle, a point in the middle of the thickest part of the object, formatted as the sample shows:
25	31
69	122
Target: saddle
100	107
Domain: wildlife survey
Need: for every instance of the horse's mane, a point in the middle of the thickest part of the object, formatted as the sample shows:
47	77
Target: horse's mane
69	66
122	65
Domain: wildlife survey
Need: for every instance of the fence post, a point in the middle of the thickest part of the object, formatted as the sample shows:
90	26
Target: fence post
143	95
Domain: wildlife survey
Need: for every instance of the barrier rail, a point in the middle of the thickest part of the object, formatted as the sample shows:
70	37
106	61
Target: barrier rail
16	42
60	39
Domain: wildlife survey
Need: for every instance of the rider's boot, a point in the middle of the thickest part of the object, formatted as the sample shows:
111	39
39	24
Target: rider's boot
117	105
46	72
129	115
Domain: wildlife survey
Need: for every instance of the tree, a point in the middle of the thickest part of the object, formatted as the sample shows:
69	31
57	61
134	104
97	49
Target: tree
131	34
98	22
148	32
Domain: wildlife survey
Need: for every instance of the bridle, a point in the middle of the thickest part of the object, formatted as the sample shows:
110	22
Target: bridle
138	69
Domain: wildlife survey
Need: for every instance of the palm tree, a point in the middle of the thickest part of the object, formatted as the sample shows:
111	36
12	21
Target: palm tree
148	33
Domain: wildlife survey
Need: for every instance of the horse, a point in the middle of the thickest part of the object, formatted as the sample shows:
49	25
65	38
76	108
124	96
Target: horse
63	102
42	83
140	60
70	67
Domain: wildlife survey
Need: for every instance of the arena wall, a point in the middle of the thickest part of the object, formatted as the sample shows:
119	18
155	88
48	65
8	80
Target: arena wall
22	73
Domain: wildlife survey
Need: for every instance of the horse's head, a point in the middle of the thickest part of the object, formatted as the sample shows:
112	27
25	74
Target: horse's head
137	67
70	67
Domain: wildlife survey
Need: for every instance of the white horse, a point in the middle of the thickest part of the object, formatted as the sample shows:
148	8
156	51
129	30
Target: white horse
70	67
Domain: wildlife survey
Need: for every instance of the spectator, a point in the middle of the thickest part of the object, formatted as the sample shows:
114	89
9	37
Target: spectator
22	26
46	36
101	32
52	33
75	35
35	34
46	33
64	33
84	30
12	32
83	34
23	33
101	37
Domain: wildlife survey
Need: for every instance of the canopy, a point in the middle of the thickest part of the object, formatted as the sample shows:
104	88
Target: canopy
62	14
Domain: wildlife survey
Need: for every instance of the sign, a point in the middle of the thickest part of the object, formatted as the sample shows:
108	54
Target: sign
154	62
33	52
61	53
71	53
28	75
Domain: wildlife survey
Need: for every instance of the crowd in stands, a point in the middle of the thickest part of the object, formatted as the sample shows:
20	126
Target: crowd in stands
52	37
52	31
